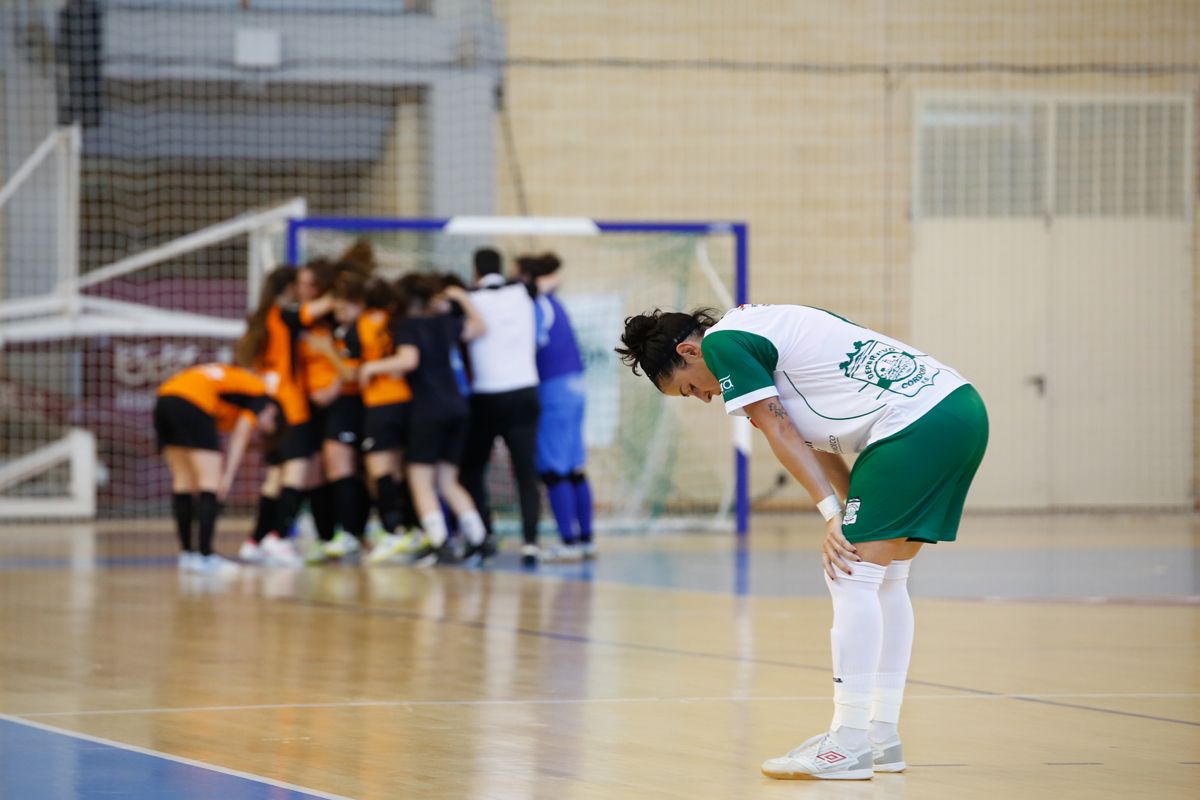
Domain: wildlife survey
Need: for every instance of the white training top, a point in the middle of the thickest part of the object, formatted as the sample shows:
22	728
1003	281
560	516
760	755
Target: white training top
844	386
504	359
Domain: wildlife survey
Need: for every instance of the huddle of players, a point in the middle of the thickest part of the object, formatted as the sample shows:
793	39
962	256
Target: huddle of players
372	378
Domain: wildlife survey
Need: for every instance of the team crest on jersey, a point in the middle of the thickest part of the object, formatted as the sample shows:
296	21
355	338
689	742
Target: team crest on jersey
889	368
850	515
726	384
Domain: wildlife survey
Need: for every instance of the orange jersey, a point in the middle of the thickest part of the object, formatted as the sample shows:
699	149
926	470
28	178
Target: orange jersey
222	391
319	371
280	363
369	339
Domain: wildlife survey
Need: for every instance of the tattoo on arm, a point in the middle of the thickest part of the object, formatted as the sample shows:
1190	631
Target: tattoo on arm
777	409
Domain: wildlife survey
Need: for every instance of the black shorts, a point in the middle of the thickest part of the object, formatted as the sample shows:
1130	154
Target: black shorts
436	441
341	420
385	427
301	441
178	423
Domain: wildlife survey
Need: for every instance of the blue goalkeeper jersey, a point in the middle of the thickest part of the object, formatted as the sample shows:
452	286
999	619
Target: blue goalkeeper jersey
558	352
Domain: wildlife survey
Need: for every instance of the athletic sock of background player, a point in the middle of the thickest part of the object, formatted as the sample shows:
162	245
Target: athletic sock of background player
387	499
268	514
351	504
434	525
583	505
181	508
472	527
898	626
206	516
290	499
561	494
324	511
408	509
857	639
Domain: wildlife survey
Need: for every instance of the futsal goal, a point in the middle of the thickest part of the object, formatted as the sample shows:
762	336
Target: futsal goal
653	463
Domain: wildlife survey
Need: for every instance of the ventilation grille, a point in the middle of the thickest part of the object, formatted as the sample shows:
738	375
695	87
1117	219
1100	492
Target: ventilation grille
1111	159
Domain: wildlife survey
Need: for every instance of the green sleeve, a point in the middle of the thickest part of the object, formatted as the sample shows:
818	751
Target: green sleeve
744	363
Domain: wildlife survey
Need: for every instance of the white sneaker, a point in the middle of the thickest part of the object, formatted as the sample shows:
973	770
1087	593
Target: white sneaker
341	545
277	552
375	533
304	531
189	561
588	550
530	555
888	755
392	547
315	553
216	566
250	552
822	758
562	553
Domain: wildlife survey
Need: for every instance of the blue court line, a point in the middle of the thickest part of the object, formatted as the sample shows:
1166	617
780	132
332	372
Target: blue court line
65	562
40	762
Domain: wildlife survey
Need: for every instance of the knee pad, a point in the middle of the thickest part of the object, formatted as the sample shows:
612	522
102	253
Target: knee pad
552	478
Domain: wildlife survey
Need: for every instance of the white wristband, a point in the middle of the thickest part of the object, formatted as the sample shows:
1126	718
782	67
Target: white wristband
830	507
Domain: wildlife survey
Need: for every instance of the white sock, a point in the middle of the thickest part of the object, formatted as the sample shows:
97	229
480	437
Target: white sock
856	638
896	608
434	526
472	527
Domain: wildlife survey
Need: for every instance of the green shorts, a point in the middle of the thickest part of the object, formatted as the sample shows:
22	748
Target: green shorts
912	485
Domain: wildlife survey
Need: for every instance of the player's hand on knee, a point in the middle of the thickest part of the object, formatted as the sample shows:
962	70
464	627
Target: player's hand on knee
836	550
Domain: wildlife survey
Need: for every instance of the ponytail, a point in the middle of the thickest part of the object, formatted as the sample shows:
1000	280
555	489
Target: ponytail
253	343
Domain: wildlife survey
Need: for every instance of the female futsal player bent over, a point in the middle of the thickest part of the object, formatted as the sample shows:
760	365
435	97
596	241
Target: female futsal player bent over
191	408
817	386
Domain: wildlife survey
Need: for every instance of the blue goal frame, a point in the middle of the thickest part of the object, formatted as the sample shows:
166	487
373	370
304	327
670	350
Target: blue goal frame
566	226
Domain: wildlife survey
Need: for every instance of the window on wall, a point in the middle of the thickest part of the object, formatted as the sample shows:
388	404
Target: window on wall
981	159
1120	159
1064	157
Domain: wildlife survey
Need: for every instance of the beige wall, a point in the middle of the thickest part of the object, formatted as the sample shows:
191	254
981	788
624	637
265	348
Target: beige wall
816	160
396	183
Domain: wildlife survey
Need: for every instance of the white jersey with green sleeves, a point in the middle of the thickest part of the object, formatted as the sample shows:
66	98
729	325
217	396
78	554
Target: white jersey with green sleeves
845	386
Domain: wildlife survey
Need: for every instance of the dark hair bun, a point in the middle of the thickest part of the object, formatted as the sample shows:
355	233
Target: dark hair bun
639	331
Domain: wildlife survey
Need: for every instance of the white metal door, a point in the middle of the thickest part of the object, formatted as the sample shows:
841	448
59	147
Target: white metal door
980	305
1052	265
1120	381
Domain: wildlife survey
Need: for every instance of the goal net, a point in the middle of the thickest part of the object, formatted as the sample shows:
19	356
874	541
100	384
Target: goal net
652	463
82	355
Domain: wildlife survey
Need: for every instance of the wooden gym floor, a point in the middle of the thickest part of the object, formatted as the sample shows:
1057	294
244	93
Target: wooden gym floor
1056	657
